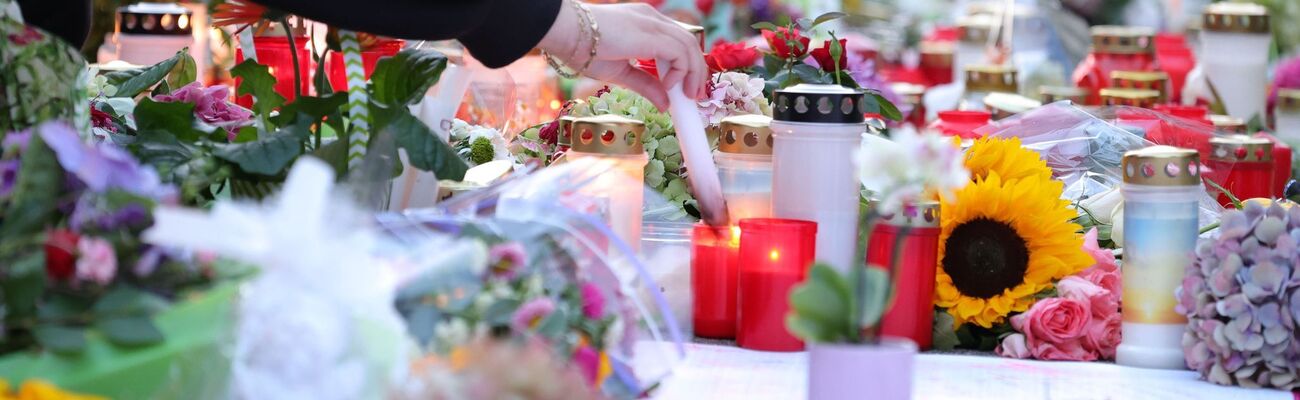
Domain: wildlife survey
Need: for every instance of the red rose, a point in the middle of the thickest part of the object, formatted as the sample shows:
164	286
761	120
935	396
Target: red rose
730	56
60	254
705	6
823	56
780	40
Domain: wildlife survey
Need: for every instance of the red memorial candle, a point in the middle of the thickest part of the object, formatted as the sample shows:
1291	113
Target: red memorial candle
273	52
715	258
775	255
370	57
1243	165
912	313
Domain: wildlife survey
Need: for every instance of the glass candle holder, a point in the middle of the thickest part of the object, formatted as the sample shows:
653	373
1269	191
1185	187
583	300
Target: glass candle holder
715	277
1145	80
1160	190
912	313
817	130
775	255
616	139
984	79
1286	116
1052	94
1227	125
912	95
1141	98
148	33
744	159
369	57
1237	36
1243	165
937	62
1004	105
1114	48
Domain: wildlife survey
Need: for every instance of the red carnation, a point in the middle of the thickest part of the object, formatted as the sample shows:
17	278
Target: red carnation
549	133
780	40
60	254
823	56
730	56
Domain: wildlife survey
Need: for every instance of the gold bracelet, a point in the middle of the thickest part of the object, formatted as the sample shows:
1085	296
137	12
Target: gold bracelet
588	22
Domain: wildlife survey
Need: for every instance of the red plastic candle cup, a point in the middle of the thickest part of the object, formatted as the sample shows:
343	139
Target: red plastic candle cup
1114	48
1243	165
1281	164
369	57
912	313
273	52
1194	113
775	255
715	260
961	123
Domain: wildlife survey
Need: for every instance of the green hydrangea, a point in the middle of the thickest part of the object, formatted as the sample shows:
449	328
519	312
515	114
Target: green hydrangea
665	172
481	151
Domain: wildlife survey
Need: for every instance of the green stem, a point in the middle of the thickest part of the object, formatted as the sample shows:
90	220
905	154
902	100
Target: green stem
1209	227
866	225
293	56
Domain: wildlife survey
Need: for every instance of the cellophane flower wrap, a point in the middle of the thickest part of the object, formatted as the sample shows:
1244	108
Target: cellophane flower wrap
1242	299
533	263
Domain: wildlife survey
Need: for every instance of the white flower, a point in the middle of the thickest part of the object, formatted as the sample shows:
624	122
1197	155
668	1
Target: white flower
733	93
1101	205
452	334
500	148
97	85
902	170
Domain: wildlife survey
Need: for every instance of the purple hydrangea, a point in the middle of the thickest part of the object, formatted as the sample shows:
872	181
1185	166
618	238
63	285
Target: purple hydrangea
1242	299
102	166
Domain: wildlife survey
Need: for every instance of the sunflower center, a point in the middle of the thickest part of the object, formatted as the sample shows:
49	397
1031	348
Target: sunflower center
985	257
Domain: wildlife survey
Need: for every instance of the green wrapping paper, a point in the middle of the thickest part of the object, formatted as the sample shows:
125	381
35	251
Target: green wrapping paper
192	363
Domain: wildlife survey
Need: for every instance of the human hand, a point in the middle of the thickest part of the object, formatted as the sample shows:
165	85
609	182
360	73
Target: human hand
629	32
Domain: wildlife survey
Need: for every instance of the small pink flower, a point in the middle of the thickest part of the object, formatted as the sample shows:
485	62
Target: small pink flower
593	303
1103	335
1068	351
1111	281
588	361
1105	260
98	262
1098	298
532	313
28	36
1054	320
506	259
1014	346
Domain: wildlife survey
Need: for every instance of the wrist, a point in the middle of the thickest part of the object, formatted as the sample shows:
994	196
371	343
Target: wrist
562	39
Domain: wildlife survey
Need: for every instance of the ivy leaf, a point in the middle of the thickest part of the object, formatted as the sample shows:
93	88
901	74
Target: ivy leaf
827	17
132	82
258	81
61	339
268	155
945	338
185	72
403	79
130	330
175	118
424	149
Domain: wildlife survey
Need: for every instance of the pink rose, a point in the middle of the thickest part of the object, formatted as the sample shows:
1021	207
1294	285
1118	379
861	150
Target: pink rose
1054	320
1067	351
1099	299
98	262
1109	280
1103	336
1013	346
1104	258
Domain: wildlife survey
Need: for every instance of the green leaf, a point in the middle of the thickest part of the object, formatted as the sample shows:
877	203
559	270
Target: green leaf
425	150
403	79
132	82
185	72
334	153
130	330
246	134
810	330
827	17
314	108
945	338
877	104
499	313
554	325
772	64
24	283
268	155
61	339
876	296
124	300
810	74
161	89
35	192
258	81
804	23
824	299
764	26
175	118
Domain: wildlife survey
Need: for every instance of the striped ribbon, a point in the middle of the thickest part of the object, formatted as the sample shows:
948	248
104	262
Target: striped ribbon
358	99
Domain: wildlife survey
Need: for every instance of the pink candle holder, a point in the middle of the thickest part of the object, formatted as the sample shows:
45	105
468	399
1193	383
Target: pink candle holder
775	255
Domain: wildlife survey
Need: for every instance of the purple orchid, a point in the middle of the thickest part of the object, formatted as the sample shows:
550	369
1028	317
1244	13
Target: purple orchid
102	166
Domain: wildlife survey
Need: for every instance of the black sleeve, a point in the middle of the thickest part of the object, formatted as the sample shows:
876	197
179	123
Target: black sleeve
69	19
496	32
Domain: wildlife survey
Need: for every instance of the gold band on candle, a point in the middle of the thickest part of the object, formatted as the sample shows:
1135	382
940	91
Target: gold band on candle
1149	80
1235	17
1112	39
745	134
608	134
991	78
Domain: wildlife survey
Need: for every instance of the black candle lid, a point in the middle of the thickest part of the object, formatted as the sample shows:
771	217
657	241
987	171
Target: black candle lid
155	19
817	103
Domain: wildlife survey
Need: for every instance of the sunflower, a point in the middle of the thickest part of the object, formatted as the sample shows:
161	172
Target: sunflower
1007	157
1003	240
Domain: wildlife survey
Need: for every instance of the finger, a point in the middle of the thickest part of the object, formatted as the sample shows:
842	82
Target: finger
678	57
635	79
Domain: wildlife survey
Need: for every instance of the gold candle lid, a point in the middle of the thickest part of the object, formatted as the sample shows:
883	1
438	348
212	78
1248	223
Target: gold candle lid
910	92
1162	166
608	134
565	135
937	54
1003	105
1288	99
1149	80
1052	94
1235	17
991	78
1241	148
746	134
924	214
976	28
695	30
1112	39
1228	124
1129	97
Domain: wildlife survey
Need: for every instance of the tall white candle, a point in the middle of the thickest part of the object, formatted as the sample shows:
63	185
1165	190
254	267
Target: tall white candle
1235	40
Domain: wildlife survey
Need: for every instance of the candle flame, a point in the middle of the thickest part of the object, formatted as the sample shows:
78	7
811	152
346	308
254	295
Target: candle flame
735	236
774	255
